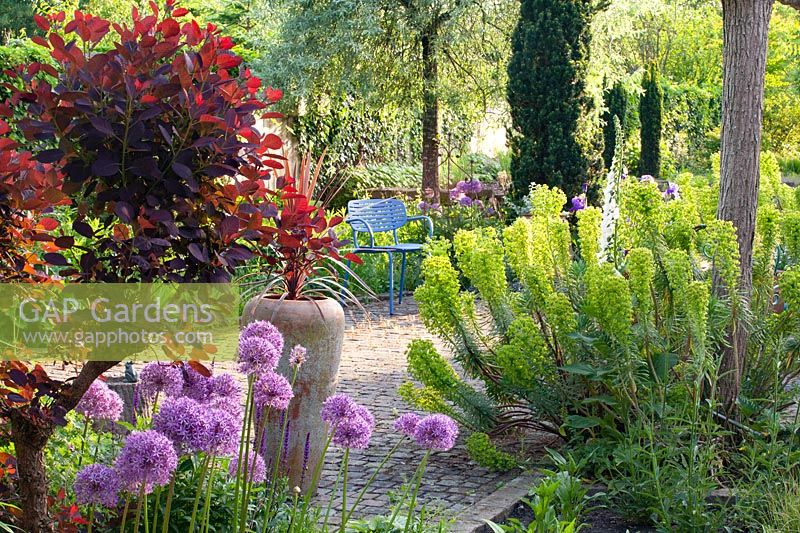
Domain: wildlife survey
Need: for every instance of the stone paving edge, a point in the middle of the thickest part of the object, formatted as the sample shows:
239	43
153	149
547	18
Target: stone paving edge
496	507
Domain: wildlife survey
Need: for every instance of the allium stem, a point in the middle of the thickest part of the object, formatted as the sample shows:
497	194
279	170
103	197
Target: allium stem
334	490
168	507
209	488
83	440
276	464
125	513
139	506
373	476
413	503
317	472
91	519
345	466
197	493
244	449
156	506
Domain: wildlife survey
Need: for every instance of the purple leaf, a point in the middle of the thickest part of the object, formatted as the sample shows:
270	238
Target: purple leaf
198	253
82	228
55	259
49	156
102	125
182	170
124	211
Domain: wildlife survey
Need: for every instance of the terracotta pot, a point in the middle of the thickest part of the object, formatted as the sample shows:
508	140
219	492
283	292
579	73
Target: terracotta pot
319	326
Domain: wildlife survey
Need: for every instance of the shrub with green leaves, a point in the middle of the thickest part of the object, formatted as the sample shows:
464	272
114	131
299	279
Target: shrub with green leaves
565	341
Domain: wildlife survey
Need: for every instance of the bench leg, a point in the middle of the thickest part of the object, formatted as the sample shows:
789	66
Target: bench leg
391	283
344	281
402	279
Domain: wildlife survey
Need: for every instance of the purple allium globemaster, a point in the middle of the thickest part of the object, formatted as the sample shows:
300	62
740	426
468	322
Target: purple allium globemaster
195	385
436	432
407	423
147	457
256	469
185	421
158	377
222	437
225	393
100	403
272	390
97	485
355	429
336	408
298	355
257	355
263	330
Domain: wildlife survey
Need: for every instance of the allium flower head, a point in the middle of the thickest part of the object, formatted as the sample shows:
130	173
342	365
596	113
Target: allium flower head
272	390
158	377
406	424
224	428
225	392
298	355
355	430
436	432
465	201
195	385
263	330
257	355
336	408
97	485
256	469
147	457
100	403
184	421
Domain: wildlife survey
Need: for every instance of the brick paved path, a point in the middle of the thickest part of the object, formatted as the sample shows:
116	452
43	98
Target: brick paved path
373	366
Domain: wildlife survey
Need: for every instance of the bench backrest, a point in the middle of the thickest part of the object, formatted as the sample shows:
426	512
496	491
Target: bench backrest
384	214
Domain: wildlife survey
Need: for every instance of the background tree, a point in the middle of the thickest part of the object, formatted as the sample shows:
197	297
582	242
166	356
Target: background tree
650	105
616	105
745	35
546	78
428	58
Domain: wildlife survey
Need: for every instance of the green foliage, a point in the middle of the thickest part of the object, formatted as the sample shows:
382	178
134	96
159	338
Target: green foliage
481	450
471	407
589	220
557	501
616	105
546	103
608	301
650	115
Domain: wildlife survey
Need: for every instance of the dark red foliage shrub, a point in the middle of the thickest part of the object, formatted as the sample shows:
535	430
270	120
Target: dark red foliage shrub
305	246
157	143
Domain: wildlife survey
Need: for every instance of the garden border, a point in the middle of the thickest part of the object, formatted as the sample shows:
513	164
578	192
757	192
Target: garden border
496	507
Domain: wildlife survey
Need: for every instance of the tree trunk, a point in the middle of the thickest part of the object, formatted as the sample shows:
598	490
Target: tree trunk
30	433
745	30
430	114
30	440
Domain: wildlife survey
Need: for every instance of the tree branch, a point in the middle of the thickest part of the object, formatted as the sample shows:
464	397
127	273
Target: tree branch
791	3
90	372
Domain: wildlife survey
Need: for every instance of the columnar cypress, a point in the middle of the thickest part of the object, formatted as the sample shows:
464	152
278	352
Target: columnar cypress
616	103
546	79
650	116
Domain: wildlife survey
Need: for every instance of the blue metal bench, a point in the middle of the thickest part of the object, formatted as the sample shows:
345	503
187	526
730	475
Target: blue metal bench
384	215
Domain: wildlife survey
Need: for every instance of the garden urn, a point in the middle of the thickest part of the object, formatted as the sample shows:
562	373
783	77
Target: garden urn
318	325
